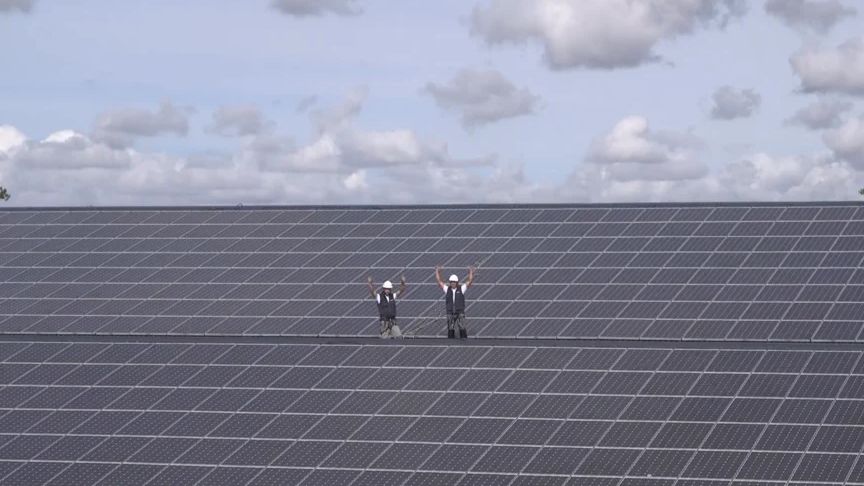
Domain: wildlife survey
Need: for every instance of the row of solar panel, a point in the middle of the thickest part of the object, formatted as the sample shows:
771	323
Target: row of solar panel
802	309
615	435
841	330
443	215
679	436
492	260
568	269
783	287
420	279
541	300
450	244
419	296
609	329
689	395
439	237
402	371
446	244
758	468
312	428
774	438
284	452
544	359
434	356
796	435
436	230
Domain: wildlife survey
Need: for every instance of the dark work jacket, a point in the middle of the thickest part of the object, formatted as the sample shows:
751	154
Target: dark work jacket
387	306
459	306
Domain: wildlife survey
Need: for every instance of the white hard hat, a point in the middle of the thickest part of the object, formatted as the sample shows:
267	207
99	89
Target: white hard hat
454	278
388	285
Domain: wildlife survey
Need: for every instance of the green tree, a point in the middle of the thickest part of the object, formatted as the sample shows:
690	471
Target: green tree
4	194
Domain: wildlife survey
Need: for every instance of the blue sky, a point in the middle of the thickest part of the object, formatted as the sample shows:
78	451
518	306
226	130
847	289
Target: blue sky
365	101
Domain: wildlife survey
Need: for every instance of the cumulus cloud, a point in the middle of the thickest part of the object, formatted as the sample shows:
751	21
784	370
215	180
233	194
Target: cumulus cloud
731	103
356	181
343	162
119	128
10	138
332	117
482	96
16	5
237	121
821	114
601	34
70	150
632	151
635	163
847	142
68	168
756	177
341	145
763	177
816	15
832	70
314	8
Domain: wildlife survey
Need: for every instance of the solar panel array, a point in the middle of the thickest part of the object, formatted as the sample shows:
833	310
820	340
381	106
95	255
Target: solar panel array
130	414
725	272
643	345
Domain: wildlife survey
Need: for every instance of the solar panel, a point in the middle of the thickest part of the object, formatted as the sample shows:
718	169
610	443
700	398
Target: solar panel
726	337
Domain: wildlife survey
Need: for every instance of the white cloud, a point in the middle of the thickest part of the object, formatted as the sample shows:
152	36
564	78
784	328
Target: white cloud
847	142
482	96
590	184
321	155
67	168
335	116
313	8
370	148
119	128
816	15
348	164
821	114
10	138
757	177
632	151
603	34
267	151
19	5
343	163
67	150
341	145
731	103
356	181
832	70
763	177
633	163
237	121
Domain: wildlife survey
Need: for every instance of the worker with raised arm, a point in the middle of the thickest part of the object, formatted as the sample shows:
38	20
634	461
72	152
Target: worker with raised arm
454	300
386	300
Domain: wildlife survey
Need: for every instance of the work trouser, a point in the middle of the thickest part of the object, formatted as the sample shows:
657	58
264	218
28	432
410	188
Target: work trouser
456	321
389	328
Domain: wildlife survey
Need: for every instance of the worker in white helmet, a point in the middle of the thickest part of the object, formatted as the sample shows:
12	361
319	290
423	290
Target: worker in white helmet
386	300
454	300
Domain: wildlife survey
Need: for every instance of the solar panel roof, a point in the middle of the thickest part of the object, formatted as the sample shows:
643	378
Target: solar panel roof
686	344
129	413
692	272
